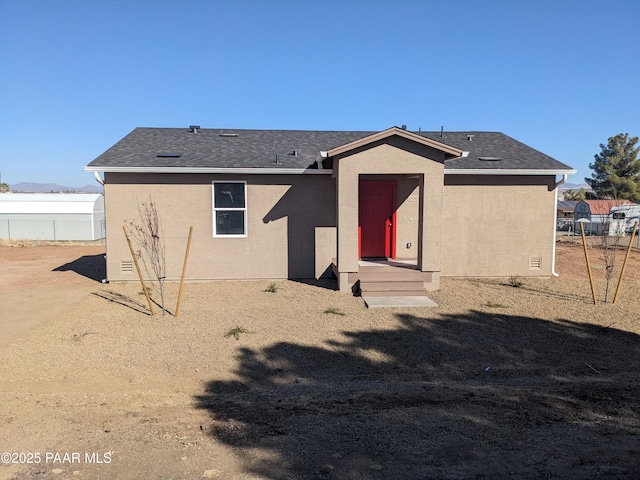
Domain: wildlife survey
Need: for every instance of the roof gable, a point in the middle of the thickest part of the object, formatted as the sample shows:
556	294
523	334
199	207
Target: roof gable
448	150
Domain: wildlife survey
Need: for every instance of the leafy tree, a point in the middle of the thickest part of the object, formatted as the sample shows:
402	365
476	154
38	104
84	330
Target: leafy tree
4	187
616	170
577	195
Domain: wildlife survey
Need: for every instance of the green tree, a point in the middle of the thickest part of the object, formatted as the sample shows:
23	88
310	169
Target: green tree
578	195
575	195
4	187
616	170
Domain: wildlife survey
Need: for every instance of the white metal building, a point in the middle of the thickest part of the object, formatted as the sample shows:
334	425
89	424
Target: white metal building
51	216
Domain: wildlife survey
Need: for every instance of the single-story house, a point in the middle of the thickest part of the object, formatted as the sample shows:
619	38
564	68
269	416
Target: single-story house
564	214
52	216
597	213
278	204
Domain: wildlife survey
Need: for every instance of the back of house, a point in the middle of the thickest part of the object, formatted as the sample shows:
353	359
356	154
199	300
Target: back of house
312	204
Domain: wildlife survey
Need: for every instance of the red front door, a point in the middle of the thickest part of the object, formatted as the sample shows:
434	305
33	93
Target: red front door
376	221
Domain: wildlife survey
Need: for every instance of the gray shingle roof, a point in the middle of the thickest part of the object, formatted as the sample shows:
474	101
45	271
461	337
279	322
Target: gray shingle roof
238	148
491	150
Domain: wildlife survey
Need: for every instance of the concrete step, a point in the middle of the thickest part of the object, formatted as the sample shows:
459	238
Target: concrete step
386	285
397	301
394	275
390	280
394	293
392	288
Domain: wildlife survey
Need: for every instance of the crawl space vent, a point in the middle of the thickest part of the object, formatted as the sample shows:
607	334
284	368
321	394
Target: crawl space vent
535	263
126	266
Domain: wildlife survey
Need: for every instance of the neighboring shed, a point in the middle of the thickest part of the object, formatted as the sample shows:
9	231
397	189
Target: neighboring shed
52	216
597	212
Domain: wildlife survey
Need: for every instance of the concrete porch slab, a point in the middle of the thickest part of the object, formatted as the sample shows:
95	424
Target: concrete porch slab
399	301
407	263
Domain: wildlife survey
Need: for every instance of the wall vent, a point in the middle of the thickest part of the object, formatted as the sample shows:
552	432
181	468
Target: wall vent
535	263
126	266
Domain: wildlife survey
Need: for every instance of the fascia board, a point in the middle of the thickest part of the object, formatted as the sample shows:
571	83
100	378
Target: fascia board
302	171
505	171
242	171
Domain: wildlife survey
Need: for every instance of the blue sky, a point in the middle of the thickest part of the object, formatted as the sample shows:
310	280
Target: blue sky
559	75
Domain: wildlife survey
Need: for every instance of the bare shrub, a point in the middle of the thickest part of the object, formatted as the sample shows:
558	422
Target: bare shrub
148	235
609	246
515	281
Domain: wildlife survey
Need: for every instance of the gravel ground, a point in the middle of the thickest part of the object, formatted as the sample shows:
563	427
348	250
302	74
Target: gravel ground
495	382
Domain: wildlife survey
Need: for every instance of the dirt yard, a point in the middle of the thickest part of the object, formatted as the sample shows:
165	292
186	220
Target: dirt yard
496	382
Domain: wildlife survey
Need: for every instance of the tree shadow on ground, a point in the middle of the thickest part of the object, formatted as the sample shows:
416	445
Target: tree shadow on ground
135	305
473	396
539	287
124	300
90	266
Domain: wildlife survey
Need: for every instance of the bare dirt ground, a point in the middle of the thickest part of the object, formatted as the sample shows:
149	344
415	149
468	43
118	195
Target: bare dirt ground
496	382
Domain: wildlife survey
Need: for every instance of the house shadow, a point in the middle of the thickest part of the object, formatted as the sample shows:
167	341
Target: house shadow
90	266
326	283
303	216
470	396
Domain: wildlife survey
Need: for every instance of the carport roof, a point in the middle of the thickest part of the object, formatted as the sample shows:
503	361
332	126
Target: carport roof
47	203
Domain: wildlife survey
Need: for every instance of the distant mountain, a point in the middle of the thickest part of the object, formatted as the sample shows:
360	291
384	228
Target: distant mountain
29	187
574	186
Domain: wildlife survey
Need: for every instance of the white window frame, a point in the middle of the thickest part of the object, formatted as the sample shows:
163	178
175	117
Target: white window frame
225	209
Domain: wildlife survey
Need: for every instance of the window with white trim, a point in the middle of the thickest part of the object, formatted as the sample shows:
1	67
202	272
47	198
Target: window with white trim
230	209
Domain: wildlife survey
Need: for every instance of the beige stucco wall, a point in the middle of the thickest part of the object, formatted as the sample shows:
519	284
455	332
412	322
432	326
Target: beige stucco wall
494	225
423	165
283	212
472	225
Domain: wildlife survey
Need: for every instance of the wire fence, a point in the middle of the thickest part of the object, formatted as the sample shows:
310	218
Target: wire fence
594	231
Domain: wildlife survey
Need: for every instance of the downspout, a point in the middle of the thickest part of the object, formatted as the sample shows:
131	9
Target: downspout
96	175
555	224
322	156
